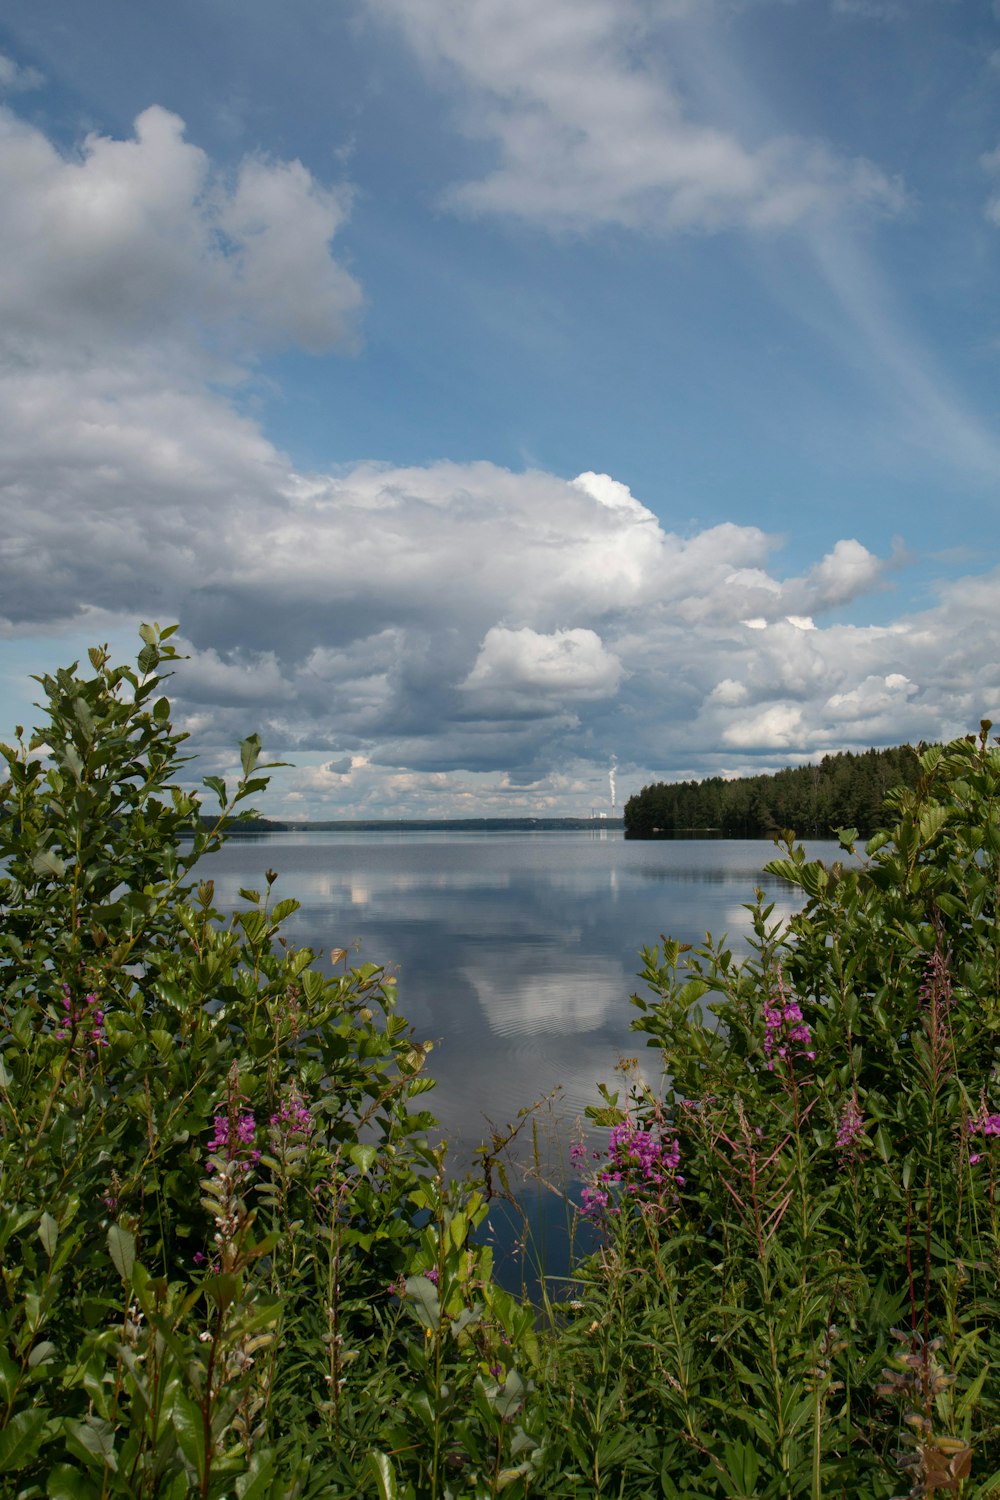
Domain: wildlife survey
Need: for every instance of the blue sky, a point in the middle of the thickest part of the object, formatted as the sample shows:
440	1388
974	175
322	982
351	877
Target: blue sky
495	390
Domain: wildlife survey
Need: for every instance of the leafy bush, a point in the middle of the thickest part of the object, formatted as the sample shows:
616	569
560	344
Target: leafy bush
228	1260
798	1293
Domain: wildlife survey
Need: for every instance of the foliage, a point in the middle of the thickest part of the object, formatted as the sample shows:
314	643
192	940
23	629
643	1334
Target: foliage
231	1263
814	800
812	1308
218	1207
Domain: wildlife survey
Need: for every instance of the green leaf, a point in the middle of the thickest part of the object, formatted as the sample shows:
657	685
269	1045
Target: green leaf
21	1438
382	1473
48	1233
931	822
508	1400
363	1157
256	1483
66	1483
423	1301
121	1244
249	753
147	659
190	1429
47	863
93	1441
284	909
222	1289
218	786
882	1145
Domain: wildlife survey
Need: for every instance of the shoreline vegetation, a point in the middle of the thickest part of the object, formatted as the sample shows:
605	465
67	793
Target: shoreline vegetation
847	790
232	1265
417	825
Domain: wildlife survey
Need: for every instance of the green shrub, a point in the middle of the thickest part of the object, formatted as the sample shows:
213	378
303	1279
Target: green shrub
798	1293
230	1261
220	1219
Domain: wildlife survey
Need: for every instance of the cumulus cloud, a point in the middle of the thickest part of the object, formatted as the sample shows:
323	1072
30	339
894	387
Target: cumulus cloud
542	671
143	240
587	133
777	728
432	638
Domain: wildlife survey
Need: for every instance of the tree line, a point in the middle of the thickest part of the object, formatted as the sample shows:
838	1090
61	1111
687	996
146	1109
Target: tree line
846	790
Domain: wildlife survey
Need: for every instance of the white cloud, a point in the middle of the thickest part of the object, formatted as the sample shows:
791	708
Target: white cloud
872	697
613	494
593	124
564	667
844	574
449	635
142	240
729	692
777	728
588	134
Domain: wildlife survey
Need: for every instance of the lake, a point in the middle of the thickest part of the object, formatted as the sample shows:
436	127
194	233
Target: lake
516	953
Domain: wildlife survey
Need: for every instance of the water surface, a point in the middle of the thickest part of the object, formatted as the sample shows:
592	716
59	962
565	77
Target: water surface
516	953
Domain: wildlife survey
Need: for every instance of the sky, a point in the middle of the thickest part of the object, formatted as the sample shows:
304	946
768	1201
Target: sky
498	393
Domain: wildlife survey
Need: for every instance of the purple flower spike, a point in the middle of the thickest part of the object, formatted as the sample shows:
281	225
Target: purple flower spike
233	1139
982	1123
786	1033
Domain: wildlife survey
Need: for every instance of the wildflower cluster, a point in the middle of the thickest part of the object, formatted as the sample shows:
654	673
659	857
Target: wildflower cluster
983	1124
84	1020
786	1034
640	1162
233	1141
292	1121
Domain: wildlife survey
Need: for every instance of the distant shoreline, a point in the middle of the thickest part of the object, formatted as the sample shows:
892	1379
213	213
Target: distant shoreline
235	828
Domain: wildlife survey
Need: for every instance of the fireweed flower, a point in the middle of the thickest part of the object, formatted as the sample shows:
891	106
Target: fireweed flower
850	1128
83	1020
984	1124
641	1163
292	1121
234	1141
786	1034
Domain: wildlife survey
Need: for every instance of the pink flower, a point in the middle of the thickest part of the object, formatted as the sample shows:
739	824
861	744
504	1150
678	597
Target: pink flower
85	1020
985	1124
233	1139
292	1118
786	1034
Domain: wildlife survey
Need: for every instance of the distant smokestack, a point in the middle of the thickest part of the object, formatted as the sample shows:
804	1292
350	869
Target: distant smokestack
612	779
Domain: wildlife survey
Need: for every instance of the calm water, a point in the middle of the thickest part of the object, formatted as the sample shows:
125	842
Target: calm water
516	953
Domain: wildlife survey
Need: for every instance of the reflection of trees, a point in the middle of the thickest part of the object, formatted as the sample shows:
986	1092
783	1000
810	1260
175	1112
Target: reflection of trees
843	791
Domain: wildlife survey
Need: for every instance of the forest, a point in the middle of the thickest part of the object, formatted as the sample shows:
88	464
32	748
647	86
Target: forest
843	791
